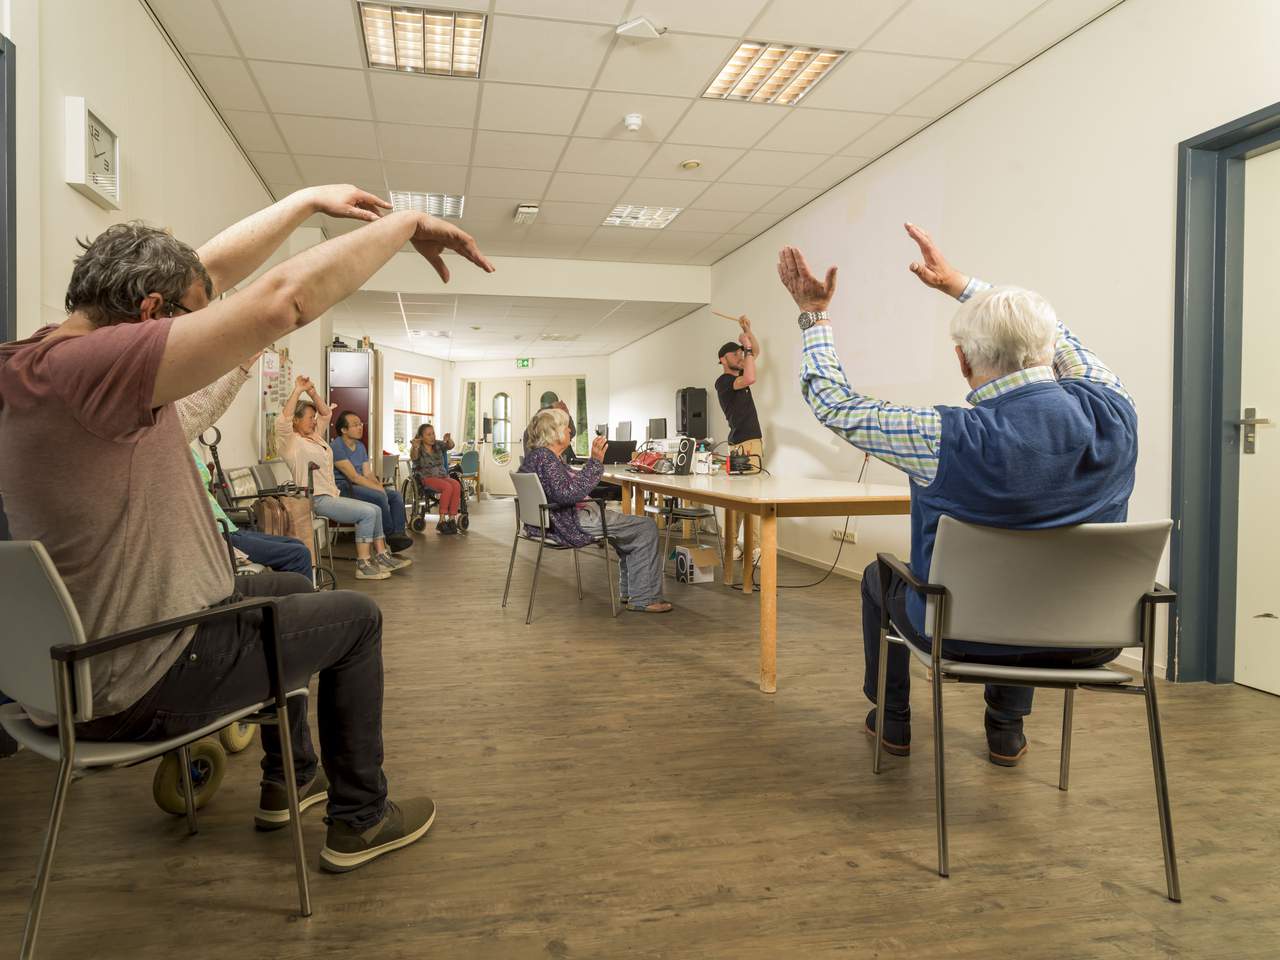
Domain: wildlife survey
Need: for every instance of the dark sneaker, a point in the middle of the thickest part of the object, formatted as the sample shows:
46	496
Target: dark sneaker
371	570
450	527
392	562
398	542
273	805
897	734
345	849
1005	743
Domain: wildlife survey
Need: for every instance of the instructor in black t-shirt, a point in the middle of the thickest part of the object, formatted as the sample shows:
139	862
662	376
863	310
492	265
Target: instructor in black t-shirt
733	387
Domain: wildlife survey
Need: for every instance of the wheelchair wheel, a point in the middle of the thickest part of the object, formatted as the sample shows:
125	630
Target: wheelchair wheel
419	524
208	764
464	522
238	736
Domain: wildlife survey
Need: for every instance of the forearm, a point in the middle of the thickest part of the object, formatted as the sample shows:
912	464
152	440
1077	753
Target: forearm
749	368
242	248
202	409
1072	360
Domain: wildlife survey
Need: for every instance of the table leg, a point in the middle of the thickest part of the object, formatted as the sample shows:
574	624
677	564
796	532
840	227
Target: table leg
626	498
768	599
638	509
730	538
748	547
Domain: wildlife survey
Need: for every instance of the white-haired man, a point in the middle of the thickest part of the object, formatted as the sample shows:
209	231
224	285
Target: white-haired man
1050	440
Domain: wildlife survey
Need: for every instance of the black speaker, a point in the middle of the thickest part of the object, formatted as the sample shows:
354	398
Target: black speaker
684	456
691	412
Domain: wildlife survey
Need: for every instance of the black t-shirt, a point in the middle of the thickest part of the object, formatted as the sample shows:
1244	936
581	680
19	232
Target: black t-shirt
739	409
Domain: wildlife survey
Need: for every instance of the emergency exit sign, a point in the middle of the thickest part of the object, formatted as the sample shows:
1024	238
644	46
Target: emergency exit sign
523	363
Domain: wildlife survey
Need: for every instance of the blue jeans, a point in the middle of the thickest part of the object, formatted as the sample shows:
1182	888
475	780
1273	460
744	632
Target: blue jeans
388	501
366	517
283	554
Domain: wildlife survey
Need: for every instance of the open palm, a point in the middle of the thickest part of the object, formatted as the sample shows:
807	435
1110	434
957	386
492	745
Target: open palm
808	291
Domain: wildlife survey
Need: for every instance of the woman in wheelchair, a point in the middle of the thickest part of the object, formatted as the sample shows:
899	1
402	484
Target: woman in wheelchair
430	460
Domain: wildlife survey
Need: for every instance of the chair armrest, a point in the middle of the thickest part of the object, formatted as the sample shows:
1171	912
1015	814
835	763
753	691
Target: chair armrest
75	652
604	521
904	572
1160	594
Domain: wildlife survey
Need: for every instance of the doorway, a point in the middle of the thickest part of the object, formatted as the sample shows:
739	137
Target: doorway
498	412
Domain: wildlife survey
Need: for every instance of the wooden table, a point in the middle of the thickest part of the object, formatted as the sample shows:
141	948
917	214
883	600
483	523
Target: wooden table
768	498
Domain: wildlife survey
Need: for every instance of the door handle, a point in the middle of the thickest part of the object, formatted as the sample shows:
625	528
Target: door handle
1248	423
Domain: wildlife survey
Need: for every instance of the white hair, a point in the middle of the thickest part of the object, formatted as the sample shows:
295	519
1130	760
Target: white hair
1006	329
547	427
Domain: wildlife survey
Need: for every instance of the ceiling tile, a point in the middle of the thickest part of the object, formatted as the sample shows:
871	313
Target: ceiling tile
818	131
280	189
534	151
506	106
495	182
687	243
489	210
735	196
757	223
425	177
664	193
715	161
944	28
718	221
228	82
587	188
406	141
827	174
621	238
1042	28
789	200
589	11
728	18
570	213
275	167
328	137
838	23
876	82
605	156
520	50
720	249
885	136
333	170
304	31
604	112
255	131
436	101
721	123
770	167
676	65
953	89
195	26
313	91
541	233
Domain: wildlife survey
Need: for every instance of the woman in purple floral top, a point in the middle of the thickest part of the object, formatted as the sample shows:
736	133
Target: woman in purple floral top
572	523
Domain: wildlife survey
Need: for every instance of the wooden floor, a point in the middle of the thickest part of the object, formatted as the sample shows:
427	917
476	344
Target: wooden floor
622	789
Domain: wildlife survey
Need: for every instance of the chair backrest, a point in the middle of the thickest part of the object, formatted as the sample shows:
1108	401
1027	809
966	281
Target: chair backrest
1076	586
529	495
280	470
470	463
40	614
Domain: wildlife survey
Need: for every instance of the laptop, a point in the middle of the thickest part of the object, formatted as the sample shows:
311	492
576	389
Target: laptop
619	451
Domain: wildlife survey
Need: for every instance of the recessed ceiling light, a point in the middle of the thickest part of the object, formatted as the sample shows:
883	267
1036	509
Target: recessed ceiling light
417	40
779	73
526	213
690	164
635	215
436	204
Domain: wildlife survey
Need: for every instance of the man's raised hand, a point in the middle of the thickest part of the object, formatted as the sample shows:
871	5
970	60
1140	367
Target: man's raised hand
809	293
932	268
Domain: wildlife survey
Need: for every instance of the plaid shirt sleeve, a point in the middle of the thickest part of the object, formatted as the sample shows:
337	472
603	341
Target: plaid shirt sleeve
901	436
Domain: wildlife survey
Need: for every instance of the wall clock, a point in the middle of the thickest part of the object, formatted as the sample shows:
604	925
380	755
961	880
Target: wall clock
93	155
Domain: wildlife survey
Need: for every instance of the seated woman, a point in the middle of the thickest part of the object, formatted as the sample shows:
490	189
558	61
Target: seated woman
430	460
300	430
634	538
353	473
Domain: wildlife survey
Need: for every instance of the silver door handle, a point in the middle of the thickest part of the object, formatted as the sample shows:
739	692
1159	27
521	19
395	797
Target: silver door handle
1250	421
1248	435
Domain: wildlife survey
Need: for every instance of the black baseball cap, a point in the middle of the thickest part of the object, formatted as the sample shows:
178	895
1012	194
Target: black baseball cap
730	347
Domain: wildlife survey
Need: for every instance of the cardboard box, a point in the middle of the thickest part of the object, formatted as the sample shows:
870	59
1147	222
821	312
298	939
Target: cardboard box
696	564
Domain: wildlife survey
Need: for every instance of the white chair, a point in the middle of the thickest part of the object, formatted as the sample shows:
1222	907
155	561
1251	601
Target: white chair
533	510
44	630
1085	587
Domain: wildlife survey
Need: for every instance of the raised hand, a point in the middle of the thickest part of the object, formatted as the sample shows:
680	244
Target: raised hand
806	290
598	447
932	269
347	202
301	384
434	236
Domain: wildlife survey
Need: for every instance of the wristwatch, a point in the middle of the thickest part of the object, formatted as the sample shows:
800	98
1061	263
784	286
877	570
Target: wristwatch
808	318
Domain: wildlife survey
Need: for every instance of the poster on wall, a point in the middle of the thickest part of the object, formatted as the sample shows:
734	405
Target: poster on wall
275	384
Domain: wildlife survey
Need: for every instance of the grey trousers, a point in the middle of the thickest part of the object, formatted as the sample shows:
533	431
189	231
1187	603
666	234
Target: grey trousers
639	551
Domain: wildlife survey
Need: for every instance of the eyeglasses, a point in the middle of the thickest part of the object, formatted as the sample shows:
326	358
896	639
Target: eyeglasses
173	307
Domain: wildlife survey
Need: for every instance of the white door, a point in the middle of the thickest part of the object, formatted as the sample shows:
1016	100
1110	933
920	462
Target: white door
543	389
1257	599
506	404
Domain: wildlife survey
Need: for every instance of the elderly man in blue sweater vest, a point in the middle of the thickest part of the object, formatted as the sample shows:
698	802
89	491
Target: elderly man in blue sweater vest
1050	439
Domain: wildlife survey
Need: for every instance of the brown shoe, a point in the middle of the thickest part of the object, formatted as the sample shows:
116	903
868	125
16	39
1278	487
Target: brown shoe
897	734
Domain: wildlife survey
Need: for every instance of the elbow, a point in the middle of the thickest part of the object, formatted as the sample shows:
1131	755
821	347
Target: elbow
285	305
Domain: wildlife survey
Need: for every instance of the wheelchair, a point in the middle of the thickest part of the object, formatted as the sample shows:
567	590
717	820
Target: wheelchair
420	501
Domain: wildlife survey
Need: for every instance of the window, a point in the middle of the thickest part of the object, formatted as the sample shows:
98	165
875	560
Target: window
415	399
501	427
582	442
469	423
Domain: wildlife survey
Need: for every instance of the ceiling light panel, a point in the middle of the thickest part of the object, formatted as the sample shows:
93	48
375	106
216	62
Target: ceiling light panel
417	40
780	73
436	204
646	218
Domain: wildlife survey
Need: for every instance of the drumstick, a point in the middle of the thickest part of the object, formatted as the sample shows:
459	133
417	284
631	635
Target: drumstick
725	316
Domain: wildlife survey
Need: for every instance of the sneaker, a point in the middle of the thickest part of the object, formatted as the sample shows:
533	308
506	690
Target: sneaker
1005	743
393	563
273	805
345	849
398	542
448	527
897	734
371	570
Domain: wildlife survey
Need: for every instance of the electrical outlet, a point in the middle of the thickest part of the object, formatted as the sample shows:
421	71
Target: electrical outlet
848	536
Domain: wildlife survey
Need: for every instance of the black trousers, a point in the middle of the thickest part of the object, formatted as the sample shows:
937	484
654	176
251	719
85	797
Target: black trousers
1005	703
336	634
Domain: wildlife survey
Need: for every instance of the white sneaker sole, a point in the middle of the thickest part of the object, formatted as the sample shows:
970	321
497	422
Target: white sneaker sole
335	862
373	576
273	819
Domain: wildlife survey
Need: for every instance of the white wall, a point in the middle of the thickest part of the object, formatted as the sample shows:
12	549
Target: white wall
1061	177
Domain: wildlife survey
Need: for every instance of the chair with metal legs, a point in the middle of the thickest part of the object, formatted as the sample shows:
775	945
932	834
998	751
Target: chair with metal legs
46	668
1085	587
532	510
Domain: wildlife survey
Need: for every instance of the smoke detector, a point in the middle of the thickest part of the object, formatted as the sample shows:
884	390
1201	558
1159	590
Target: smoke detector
640	28
526	213
633	122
